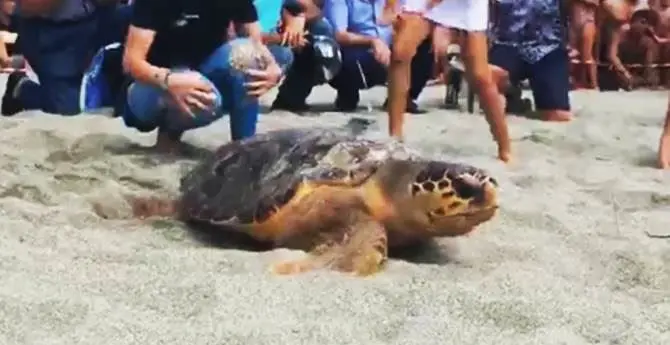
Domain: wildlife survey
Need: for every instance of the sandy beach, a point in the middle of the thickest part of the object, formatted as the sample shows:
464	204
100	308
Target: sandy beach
566	261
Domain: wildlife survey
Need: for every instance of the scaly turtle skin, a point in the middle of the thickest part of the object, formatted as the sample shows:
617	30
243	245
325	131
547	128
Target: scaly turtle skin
344	200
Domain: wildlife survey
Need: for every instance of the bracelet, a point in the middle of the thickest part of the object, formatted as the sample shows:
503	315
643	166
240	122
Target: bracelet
166	79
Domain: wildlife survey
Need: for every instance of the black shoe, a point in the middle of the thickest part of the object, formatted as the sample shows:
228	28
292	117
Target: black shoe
347	104
297	108
411	108
521	106
11	105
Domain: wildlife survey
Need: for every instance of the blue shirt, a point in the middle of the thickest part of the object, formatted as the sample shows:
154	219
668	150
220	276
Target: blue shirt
534	27
359	17
269	13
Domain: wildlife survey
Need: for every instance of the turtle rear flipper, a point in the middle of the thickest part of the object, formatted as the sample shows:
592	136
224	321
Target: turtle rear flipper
362	250
151	207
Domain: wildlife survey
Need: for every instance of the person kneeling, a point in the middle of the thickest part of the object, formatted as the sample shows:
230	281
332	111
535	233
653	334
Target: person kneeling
543	59
177	54
366	39
316	54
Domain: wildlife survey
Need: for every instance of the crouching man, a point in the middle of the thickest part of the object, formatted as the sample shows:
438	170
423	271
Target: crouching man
59	39
178	55
316	54
365	37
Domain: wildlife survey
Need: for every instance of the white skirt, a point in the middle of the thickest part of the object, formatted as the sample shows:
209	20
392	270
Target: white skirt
468	15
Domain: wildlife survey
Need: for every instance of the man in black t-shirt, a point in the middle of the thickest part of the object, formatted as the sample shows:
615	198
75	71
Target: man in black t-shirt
178	55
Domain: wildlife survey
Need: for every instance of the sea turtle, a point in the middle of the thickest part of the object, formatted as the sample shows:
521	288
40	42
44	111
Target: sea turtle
345	200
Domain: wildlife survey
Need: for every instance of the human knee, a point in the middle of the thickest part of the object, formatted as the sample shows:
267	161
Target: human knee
403	52
147	103
500	78
481	76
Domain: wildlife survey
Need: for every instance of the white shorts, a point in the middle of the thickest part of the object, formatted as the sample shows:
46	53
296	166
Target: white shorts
468	15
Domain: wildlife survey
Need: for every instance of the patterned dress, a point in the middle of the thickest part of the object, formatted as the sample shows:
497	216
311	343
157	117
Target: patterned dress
468	15
534	27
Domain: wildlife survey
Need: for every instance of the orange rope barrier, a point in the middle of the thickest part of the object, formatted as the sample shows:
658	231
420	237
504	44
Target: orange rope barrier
633	65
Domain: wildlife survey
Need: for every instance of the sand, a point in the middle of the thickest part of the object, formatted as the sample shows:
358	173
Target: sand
566	261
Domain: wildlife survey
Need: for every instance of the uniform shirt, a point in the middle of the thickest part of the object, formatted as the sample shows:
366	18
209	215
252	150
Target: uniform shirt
359	17
188	31
534	27
67	10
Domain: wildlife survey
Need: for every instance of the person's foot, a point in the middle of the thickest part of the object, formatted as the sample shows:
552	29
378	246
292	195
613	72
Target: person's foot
664	152
347	104
167	143
521	106
297	108
505	155
11	105
556	116
412	107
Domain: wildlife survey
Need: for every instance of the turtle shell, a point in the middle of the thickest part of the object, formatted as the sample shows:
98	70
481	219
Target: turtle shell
246	181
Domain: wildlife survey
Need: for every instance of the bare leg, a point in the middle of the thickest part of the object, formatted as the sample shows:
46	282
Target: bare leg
664	145
361	249
651	53
411	30
475	58
589	65
166	143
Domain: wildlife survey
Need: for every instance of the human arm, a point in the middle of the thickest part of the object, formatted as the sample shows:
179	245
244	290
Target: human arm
187	89
613	52
141	35
337	13
5	59
309	8
292	26
263	80
312	8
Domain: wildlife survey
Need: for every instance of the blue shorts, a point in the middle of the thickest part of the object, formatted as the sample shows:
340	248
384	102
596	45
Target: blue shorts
549	78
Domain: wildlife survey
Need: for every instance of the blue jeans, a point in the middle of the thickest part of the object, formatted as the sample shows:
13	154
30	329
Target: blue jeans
147	105
59	53
549	78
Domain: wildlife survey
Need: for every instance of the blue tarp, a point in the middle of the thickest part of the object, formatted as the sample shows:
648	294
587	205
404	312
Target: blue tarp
268	13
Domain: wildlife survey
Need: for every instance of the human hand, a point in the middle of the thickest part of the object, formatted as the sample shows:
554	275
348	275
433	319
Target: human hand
263	80
293	30
189	90
6	62
389	13
664	152
381	52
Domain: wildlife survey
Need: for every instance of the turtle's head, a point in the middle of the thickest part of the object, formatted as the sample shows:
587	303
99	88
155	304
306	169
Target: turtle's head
449	199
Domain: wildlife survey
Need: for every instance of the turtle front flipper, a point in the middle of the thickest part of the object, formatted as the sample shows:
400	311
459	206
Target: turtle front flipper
362	249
